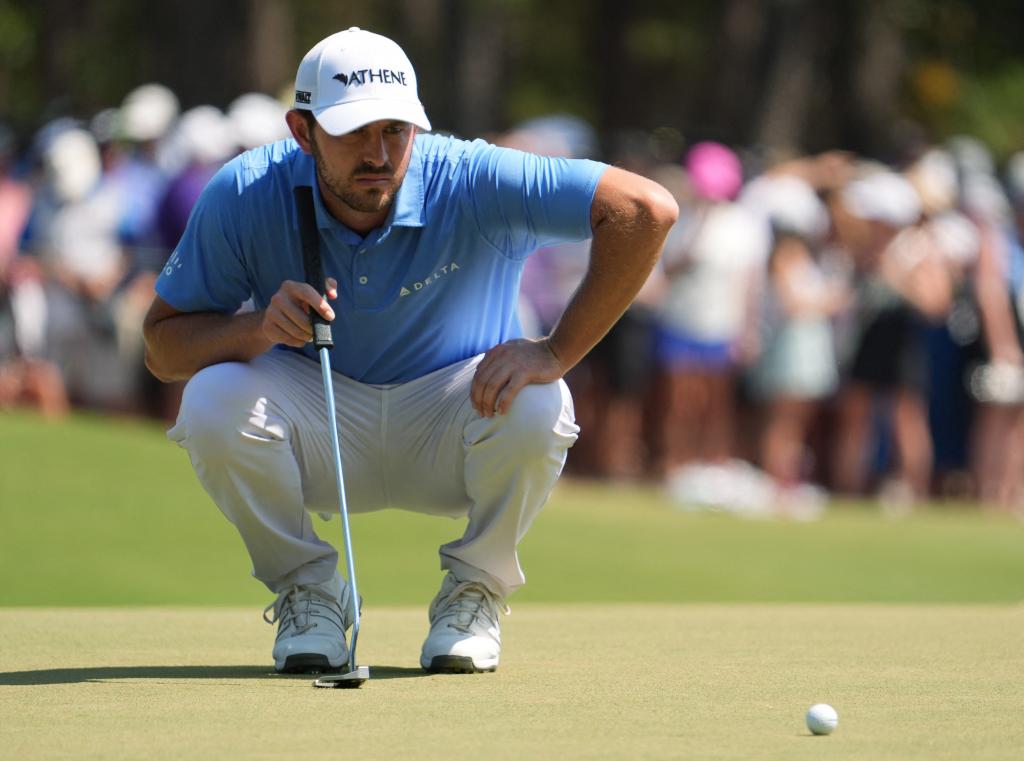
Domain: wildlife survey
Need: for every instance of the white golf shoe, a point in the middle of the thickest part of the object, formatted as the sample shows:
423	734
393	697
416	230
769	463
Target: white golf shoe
311	625
465	636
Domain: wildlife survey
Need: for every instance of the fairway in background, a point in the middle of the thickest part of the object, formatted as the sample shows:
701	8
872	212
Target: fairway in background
95	511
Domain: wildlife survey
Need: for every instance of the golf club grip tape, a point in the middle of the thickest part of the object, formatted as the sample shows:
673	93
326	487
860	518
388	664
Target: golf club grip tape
310	237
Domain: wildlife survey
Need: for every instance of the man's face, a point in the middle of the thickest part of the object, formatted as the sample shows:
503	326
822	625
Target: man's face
364	169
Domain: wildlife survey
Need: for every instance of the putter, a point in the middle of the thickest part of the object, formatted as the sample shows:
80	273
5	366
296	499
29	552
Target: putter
355	675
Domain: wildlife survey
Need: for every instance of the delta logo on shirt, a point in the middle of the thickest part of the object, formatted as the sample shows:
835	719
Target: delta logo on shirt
419	285
369	76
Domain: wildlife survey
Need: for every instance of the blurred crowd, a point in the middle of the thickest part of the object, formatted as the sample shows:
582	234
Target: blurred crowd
816	324
89	213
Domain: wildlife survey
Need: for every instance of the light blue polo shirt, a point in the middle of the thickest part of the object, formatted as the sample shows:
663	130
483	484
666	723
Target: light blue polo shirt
436	284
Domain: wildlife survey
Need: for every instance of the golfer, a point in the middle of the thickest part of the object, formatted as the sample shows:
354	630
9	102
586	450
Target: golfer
442	407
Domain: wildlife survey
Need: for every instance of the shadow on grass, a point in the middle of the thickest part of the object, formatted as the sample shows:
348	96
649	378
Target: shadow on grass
114	673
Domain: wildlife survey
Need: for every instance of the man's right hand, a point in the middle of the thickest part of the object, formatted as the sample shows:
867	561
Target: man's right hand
286	318
180	344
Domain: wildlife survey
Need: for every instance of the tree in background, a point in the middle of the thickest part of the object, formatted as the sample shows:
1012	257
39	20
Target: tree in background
783	75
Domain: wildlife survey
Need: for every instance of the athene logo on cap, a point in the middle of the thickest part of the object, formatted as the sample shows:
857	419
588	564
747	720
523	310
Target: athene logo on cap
355	77
369	76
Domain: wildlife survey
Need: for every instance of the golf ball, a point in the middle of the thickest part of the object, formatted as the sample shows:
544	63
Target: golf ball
822	719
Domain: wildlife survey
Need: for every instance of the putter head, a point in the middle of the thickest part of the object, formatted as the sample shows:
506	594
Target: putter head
351	679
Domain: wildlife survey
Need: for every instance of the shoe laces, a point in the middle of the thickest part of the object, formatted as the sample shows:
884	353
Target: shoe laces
469	603
294	607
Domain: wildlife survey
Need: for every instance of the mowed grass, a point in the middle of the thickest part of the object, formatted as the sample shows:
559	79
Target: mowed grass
96	511
609	681
131	628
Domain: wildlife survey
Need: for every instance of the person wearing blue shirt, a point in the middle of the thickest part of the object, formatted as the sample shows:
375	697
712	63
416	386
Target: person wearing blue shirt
443	408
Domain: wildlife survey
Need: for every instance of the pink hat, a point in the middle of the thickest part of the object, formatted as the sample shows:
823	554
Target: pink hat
715	171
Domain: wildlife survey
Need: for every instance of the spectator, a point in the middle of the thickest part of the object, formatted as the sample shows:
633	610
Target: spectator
995	379
26	379
146	116
72	233
203	140
713	262
797	368
257	119
978	331
901	281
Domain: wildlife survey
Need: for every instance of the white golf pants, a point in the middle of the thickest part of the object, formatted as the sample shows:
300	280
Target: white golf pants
258	439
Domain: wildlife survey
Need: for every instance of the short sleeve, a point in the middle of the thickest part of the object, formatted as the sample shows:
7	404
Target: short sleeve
206	272
522	202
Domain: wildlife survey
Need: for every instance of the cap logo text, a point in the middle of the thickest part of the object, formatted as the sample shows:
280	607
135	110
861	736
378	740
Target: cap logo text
301	96
369	76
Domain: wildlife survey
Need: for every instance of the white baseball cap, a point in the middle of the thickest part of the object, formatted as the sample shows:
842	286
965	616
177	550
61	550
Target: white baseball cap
883	196
356	77
148	112
788	203
258	119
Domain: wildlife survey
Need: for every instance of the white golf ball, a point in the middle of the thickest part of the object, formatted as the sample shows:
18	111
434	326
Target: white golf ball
822	719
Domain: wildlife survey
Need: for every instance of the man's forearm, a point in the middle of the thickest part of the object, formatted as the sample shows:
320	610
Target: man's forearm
625	248
179	346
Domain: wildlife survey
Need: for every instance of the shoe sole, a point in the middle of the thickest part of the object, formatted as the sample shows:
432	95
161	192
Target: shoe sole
456	664
307	663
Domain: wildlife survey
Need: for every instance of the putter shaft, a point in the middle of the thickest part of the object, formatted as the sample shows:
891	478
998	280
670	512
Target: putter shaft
325	366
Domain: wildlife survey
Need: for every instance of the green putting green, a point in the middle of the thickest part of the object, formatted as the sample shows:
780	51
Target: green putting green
610	681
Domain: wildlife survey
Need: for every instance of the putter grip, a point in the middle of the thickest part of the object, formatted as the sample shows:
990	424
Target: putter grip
310	237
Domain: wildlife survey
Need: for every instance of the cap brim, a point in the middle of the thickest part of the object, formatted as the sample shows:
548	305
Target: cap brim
342	118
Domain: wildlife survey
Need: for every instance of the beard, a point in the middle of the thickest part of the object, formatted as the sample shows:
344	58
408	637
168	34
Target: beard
358	199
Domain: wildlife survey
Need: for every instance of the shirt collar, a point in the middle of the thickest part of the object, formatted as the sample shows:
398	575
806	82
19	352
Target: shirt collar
407	210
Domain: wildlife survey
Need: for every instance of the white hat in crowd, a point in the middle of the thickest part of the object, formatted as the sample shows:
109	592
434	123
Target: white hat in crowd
148	112
789	204
258	119
934	177
72	164
206	135
356	77
883	196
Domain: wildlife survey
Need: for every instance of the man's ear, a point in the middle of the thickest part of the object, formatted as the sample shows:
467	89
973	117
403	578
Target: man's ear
300	130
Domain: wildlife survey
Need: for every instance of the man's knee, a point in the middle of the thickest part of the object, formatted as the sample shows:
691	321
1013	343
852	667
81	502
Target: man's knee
221	406
541	420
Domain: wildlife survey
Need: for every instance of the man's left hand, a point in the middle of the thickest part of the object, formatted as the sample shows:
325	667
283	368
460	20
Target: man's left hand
508	367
